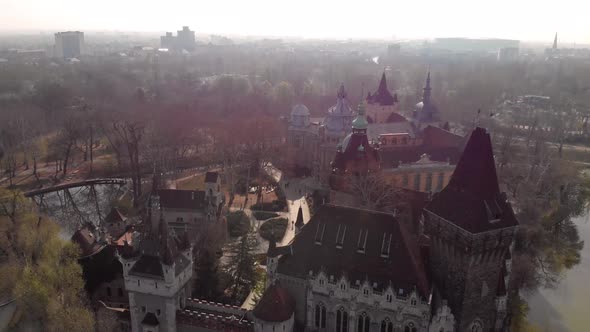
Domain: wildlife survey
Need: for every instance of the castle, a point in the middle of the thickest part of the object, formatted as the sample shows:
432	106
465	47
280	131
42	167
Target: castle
351	269
417	153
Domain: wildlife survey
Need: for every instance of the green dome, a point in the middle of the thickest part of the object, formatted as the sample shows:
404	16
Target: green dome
360	122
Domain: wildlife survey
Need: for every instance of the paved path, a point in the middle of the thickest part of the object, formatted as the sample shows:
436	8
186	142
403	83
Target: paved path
295	194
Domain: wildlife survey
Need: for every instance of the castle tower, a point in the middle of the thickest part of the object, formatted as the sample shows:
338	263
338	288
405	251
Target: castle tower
157	277
426	112
472	225
381	104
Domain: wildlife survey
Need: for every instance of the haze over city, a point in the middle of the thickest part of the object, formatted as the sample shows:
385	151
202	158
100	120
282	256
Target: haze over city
526	20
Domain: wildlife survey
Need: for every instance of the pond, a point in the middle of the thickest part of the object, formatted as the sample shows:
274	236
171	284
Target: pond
567	307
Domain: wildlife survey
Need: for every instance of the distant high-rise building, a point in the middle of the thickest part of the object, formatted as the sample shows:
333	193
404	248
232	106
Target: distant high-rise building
555	42
184	40
69	44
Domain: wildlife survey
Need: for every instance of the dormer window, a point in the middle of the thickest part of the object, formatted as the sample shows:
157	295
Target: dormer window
343	286
322	281
386	245
493	209
389	298
319	233
413	301
340	236
366	291
362	241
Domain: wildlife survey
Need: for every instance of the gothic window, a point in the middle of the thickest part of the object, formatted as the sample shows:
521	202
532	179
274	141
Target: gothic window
386	325
366	291
441	181
363	323
417	181
410	327
321	282
429	182
388	298
341	320
476	326
319	233
320	316
343	286
413	301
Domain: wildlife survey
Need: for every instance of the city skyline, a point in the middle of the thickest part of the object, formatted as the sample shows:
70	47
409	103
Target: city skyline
524	20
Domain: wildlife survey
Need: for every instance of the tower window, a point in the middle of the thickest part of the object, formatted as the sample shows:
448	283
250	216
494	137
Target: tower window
362	241
386	245
319	233
340	236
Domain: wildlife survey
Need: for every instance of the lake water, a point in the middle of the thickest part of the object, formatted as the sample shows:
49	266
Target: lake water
567	307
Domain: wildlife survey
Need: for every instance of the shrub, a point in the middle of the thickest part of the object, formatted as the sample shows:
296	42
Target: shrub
274	228
238	223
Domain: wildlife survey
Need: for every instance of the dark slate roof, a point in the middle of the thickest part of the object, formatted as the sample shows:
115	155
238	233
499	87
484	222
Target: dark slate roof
275	305
87	242
403	268
211	177
472	199
149	266
396	117
150	319
382	96
115	216
299	221
182	199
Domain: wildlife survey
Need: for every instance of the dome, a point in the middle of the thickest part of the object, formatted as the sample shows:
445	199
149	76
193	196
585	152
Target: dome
361	120
300	110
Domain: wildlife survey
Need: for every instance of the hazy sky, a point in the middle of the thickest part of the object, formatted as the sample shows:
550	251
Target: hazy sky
520	19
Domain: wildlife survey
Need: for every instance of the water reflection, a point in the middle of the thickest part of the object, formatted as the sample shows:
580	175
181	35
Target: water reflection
567	307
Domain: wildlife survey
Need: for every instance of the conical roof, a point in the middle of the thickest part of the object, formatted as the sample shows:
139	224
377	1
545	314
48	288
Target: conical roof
382	96
472	200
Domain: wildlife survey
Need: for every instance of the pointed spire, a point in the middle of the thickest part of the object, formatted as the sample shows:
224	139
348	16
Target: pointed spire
341	91
476	170
427	90
555	42
299	220
383	83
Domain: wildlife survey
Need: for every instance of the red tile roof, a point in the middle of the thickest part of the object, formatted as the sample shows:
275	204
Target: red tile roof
276	305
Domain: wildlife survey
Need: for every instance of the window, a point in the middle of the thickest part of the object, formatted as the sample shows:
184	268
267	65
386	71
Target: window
320	316
410	327
179	219
322	282
441	181
366	291
340	236
388	298
341	320
429	182
363	323
417	182
413	301
319	233
386	325
362	241
343	286
386	244
109	291
406	181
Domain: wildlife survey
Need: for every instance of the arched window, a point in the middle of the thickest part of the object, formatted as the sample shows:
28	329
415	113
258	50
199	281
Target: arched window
476	326
386	325
363	323
320	316
341	320
410	327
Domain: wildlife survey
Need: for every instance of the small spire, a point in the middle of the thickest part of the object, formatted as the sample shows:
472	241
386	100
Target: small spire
427	90
341	91
383	83
555	42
